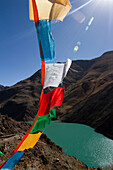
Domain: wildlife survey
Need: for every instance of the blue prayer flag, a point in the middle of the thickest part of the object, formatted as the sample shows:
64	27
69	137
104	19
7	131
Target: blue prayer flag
46	39
13	160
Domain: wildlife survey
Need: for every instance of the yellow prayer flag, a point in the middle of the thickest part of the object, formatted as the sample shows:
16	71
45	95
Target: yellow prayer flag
30	141
31	13
63	2
49	9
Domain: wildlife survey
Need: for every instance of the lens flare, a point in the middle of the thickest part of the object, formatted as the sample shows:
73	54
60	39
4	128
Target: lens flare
79	17
78	43
76	48
89	23
91	20
87	28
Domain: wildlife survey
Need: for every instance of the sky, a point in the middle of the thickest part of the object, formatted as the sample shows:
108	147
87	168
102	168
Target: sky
88	28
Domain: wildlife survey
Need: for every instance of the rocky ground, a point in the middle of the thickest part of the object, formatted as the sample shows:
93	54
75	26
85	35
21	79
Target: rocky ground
9	127
46	155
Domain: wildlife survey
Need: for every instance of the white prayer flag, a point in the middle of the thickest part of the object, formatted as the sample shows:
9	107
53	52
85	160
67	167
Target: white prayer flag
55	73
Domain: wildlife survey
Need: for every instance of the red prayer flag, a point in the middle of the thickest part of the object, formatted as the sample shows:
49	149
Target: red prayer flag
57	97
36	17
50	99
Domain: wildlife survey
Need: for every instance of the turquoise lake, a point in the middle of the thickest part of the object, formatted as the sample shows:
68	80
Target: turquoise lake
81	141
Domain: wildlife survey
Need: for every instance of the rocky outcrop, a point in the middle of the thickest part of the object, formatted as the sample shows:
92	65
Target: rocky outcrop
46	155
10	127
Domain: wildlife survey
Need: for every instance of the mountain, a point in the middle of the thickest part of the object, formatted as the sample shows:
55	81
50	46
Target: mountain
20	101
90	99
88	95
2	87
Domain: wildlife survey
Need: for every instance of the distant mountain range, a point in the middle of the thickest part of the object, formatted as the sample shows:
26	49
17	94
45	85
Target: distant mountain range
88	95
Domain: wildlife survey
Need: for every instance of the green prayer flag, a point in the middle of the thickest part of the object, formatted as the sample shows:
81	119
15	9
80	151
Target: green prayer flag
1	153
43	121
52	113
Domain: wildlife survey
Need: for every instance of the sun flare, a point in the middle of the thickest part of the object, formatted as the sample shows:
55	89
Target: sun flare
107	1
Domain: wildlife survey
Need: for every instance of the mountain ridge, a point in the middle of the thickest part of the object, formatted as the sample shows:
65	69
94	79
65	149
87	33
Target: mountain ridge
88	95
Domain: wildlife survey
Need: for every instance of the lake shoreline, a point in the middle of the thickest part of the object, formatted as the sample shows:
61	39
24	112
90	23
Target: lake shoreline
45	155
97	129
98	147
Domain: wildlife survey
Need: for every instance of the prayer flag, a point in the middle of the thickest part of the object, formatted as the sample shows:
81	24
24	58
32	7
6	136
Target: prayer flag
13	160
30	141
1	153
45	39
49	9
55	73
43	121
50	99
